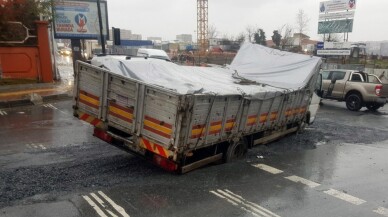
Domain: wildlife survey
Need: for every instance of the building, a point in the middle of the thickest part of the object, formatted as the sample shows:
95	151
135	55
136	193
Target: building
135	37
154	38
125	34
187	38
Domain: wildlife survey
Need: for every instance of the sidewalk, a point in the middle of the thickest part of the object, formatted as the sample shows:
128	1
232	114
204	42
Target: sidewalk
30	94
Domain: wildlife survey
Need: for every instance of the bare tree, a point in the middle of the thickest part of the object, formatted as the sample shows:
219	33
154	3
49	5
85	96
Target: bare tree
212	31
250	32
286	32
334	37
240	37
302	23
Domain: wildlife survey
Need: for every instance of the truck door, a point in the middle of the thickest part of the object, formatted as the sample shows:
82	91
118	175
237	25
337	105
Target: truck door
339	86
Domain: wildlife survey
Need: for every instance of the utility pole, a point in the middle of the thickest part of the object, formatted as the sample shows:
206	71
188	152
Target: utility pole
101	30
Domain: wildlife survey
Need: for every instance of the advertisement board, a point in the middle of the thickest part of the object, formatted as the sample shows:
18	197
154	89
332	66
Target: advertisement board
334	52
337	5
335	26
337	15
79	19
337	45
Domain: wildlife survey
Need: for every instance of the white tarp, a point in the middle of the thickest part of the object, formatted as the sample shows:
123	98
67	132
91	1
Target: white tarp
274	67
182	79
264	69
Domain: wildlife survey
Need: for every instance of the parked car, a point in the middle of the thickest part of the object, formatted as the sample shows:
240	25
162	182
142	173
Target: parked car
356	88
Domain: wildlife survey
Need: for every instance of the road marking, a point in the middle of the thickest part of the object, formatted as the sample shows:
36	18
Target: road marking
346	197
382	211
222	197
102	204
244	204
49	105
3	113
95	207
115	206
304	181
267	168
36	146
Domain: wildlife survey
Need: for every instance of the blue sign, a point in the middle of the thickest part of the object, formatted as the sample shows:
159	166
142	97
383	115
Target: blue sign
320	45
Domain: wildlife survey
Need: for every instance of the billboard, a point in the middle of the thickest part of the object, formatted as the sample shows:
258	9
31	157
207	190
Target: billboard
334	52
337	5
337	45
335	26
79	19
337	16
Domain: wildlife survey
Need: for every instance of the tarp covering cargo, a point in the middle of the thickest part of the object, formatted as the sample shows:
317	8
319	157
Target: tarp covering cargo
274	67
252	73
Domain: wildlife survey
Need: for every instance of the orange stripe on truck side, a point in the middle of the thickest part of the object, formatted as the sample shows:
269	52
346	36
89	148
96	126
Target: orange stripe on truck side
121	112
158	127
251	120
90	119
89	99
155	148
263	117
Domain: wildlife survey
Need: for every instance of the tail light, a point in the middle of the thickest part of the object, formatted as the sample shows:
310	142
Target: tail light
378	89
102	135
164	163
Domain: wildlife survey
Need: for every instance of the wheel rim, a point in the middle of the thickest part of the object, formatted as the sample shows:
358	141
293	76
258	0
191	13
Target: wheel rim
353	102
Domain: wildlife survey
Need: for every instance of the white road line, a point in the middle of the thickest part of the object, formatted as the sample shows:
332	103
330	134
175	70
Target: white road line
382	211
33	145
45	105
346	197
42	147
115	206
261	211
304	181
254	204
102	204
267	168
3	113
95	207
222	197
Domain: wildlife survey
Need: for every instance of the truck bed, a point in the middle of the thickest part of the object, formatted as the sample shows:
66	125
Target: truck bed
153	120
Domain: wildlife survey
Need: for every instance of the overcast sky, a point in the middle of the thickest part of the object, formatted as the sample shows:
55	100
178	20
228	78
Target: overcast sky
168	18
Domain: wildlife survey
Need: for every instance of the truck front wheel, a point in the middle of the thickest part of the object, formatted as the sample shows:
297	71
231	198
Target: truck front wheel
354	102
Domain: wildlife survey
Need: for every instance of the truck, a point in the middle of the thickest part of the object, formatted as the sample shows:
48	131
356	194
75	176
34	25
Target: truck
143	106
356	88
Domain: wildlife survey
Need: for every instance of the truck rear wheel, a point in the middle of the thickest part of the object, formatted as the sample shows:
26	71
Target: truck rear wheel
354	102
236	151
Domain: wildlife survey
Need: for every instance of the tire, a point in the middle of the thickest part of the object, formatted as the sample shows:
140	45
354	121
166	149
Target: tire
236	151
373	106
354	102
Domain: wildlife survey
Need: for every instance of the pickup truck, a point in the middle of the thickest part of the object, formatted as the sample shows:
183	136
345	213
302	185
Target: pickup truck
357	89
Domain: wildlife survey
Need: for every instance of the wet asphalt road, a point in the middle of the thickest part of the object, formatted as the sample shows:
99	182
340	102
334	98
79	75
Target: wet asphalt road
50	165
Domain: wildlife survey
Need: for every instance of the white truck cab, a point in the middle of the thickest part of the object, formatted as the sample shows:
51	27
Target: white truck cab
153	53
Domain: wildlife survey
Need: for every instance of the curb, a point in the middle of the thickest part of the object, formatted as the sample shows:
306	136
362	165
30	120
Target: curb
28	102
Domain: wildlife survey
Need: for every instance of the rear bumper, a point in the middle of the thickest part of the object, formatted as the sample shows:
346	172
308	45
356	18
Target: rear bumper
381	100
